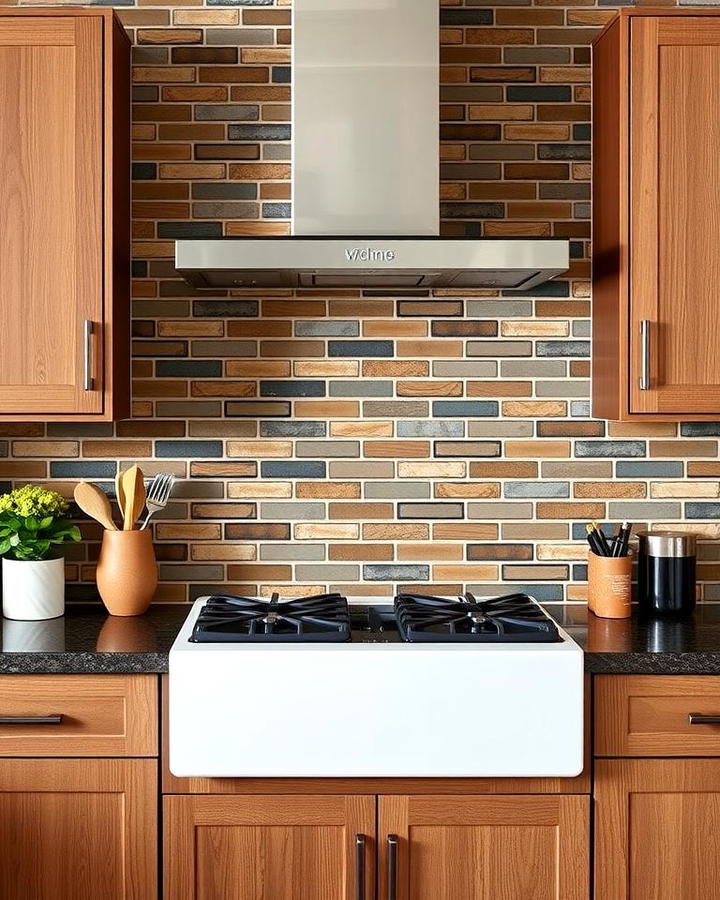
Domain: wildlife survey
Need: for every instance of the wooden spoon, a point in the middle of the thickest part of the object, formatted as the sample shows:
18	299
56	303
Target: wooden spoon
133	485
93	501
120	494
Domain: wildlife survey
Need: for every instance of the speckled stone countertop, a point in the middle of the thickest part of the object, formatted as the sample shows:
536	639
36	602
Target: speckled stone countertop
88	641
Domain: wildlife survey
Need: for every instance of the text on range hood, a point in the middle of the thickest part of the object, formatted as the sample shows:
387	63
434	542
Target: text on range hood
394	263
365	169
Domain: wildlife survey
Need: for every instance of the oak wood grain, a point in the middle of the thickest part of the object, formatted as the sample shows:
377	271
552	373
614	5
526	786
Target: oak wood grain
78	829
657	829
487	848
647	715
656	218
103	715
64	240
266	848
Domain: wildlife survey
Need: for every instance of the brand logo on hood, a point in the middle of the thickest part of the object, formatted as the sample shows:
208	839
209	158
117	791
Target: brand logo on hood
368	254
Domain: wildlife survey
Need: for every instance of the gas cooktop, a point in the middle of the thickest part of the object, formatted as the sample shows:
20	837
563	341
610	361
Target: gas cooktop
411	686
413	618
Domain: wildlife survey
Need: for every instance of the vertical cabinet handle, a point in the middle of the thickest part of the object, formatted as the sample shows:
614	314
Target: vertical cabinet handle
87	354
645	355
359	867
392	851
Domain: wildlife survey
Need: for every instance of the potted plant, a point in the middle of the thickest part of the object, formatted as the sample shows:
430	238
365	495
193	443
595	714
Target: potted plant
33	526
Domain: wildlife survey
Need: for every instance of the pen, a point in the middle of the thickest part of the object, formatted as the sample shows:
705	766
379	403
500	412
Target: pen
592	539
602	540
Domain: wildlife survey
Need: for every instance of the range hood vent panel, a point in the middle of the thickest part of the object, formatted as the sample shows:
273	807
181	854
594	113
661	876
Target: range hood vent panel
393	263
365	161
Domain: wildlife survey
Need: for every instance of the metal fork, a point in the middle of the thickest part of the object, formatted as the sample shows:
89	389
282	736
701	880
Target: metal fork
158	494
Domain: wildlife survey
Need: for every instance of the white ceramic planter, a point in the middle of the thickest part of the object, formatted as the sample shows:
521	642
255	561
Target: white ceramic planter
33	590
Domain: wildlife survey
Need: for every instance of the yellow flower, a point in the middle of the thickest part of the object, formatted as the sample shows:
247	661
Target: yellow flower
33	501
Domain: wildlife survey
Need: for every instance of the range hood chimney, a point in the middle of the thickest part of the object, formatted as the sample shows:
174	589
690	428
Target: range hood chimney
365	169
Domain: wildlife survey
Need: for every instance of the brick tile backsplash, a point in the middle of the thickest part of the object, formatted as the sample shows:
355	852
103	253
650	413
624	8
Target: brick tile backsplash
334	440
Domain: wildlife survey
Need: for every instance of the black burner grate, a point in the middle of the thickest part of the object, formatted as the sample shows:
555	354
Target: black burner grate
228	619
513	618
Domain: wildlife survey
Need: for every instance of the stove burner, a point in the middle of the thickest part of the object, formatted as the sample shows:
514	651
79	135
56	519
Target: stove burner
514	618
228	619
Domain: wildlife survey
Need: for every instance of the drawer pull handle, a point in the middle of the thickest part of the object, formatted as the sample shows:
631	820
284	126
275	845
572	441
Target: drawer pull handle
31	720
700	719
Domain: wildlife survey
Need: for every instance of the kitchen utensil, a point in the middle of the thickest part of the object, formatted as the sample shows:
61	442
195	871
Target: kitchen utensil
158	495
120	494
126	572
93	501
666	573
133	486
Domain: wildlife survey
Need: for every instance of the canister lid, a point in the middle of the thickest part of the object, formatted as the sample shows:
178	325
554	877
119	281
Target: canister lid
667	543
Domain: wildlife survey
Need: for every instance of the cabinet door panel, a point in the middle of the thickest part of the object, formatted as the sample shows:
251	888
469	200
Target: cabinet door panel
78	829
675	214
657	831
267	847
51	232
505	847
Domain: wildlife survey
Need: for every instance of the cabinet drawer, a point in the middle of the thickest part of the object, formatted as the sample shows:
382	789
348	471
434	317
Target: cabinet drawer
648	715
78	715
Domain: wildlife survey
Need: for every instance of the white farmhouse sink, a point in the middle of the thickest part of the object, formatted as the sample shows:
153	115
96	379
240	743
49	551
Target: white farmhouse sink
375	709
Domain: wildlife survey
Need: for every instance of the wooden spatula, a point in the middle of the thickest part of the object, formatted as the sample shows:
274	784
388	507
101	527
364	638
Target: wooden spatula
93	501
133	486
120	494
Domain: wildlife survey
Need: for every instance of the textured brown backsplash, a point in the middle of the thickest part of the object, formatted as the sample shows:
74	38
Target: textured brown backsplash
361	442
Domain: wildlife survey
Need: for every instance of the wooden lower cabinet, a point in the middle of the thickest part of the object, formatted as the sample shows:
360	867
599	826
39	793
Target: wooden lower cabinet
262	847
657	829
504	847
279	847
78	829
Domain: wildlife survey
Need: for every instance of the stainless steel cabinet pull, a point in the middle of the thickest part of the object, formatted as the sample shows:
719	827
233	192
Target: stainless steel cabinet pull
359	867
87	354
392	851
700	719
31	720
645	355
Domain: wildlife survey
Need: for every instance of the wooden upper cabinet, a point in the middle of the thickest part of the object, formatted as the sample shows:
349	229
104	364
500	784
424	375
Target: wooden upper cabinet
272	847
656	213
504	847
64	215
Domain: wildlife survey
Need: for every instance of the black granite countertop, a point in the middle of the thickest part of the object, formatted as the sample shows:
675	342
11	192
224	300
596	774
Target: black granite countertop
89	641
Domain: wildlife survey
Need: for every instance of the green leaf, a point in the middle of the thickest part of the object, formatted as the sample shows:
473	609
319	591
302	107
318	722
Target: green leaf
46	522
31	523
14	540
4	547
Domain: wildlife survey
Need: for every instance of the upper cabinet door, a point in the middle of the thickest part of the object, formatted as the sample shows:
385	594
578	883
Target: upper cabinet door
674	215
51	215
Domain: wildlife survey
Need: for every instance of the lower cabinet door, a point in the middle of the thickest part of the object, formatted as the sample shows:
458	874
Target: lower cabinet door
280	847
78	829
657	829
495	847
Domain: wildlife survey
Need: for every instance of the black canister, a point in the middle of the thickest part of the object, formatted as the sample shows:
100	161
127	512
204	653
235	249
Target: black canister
666	573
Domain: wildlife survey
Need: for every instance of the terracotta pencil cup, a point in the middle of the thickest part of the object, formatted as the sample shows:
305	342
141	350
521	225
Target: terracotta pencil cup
610	586
127	572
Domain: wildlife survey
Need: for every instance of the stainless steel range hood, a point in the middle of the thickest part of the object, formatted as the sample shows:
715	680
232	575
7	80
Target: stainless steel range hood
365	169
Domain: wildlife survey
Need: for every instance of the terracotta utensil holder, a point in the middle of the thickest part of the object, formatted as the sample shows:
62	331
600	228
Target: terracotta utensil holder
610	586
127	573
